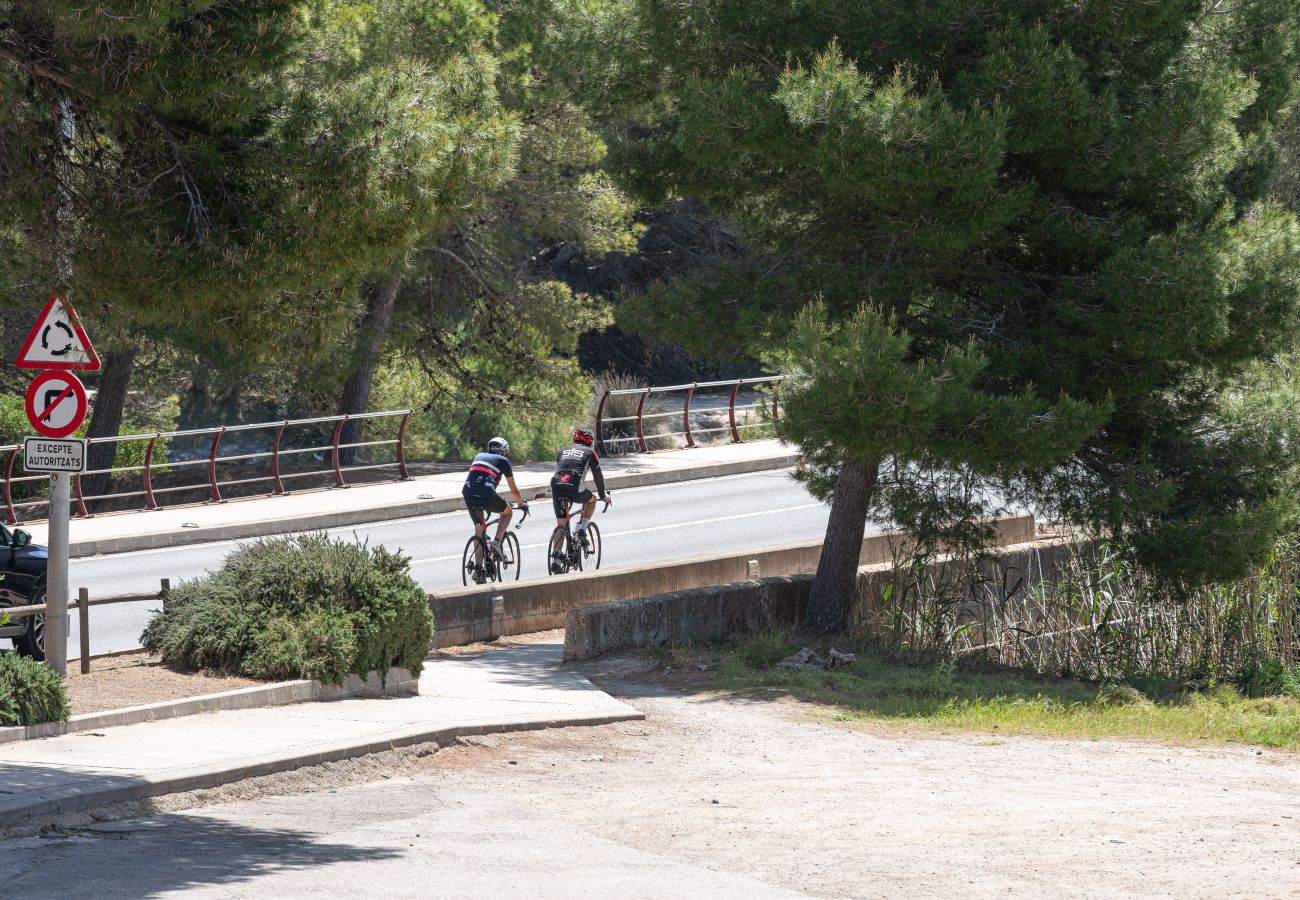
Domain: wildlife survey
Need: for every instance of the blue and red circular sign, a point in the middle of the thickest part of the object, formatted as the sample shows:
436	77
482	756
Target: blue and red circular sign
56	404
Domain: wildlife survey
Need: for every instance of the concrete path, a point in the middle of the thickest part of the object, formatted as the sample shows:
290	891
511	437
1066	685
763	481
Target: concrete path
424	495
509	690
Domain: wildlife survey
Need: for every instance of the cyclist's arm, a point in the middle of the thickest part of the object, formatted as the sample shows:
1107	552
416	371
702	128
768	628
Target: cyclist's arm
598	475
514	489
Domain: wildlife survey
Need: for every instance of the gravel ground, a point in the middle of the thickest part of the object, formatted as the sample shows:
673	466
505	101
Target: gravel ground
757	795
139	679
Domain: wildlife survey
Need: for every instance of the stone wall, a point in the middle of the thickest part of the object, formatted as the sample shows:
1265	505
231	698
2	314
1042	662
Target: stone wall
720	611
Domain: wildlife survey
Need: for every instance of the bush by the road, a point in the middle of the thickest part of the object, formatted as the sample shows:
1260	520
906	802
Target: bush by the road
298	607
30	693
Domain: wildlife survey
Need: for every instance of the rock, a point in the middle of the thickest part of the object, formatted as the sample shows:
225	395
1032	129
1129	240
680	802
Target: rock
804	659
835	660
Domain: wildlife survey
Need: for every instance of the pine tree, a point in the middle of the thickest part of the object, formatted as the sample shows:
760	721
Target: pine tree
1008	249
224	173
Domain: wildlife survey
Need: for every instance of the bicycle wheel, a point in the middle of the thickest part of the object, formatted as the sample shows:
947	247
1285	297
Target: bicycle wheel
510	559
562	533
591	553
468	565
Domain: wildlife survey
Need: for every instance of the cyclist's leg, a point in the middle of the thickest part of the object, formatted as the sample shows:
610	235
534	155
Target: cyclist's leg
588	501
479	516
498	505
561	499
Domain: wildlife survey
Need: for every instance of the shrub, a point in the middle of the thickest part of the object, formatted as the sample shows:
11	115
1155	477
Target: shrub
30	693
297	607
1270	677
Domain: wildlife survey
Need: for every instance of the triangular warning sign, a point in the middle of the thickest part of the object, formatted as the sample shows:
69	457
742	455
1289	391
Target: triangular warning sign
58	341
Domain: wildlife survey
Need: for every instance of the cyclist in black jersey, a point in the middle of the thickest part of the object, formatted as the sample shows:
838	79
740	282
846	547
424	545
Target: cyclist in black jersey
571	467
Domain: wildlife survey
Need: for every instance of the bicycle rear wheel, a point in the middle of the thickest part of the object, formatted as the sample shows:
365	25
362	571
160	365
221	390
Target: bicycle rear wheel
510	559
468	564
591	553
562	533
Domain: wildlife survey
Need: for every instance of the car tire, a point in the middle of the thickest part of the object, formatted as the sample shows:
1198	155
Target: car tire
32	641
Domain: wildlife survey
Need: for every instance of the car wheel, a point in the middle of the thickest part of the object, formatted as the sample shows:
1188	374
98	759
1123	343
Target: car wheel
32	641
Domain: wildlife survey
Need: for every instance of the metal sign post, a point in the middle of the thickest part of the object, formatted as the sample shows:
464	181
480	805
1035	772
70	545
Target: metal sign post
56	407
56	578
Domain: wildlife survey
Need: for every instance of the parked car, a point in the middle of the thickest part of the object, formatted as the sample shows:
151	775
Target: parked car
22	583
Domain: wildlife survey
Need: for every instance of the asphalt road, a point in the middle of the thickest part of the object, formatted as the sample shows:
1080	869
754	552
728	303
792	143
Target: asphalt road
649	524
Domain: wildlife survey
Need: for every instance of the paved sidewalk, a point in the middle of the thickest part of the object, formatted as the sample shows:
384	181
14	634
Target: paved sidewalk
421	496
522	688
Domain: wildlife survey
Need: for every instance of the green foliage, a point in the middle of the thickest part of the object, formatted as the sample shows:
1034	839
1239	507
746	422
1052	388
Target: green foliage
1271	677
30	693
300	607
1015	252
254	159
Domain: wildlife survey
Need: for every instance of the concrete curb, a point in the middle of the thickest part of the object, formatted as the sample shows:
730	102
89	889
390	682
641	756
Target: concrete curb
342	519
399	682
62	801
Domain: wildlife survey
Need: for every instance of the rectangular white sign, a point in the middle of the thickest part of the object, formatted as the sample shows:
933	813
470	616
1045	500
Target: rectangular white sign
54	455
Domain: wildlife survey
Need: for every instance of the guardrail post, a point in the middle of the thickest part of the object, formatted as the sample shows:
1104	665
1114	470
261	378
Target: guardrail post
600	418
82	512
401	447
11	517
275	459
212	466
334	453
640	422
686	416
731	413
776	400
149	501
83	622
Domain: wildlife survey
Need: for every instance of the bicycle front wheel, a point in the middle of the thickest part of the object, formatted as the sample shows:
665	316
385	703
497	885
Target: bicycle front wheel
591	553
510	559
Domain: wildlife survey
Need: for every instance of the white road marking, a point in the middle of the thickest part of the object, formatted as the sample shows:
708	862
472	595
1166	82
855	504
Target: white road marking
613	534
381	523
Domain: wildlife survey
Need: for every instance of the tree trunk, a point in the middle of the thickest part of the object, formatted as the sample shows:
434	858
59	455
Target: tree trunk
106	420
837	570
381	298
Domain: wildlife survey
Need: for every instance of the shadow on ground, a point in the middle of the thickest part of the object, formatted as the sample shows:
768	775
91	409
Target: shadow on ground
161	855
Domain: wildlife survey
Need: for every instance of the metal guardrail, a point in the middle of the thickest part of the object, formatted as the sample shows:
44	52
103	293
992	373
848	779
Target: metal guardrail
687	432
214	459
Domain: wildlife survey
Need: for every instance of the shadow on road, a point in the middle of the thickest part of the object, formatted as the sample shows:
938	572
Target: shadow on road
162	855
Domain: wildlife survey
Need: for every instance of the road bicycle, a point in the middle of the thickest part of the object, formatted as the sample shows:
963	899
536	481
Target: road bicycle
578	550
487	565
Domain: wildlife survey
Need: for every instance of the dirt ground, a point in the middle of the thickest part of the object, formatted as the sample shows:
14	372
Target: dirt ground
138	679
773	789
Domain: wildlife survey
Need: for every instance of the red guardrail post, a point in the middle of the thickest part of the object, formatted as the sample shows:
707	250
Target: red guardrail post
149	501
401	447
212	466
640	422
334	453
275	459
776	400
10	517
600	418
686	416
76	489
731	413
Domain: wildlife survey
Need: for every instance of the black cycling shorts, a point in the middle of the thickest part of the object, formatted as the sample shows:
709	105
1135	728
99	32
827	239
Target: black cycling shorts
481	505
564	494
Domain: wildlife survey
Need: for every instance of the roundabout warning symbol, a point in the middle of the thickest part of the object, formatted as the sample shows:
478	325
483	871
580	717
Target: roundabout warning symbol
58	341
56	404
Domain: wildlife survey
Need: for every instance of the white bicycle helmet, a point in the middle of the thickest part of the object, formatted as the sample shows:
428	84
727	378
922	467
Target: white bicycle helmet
499	445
